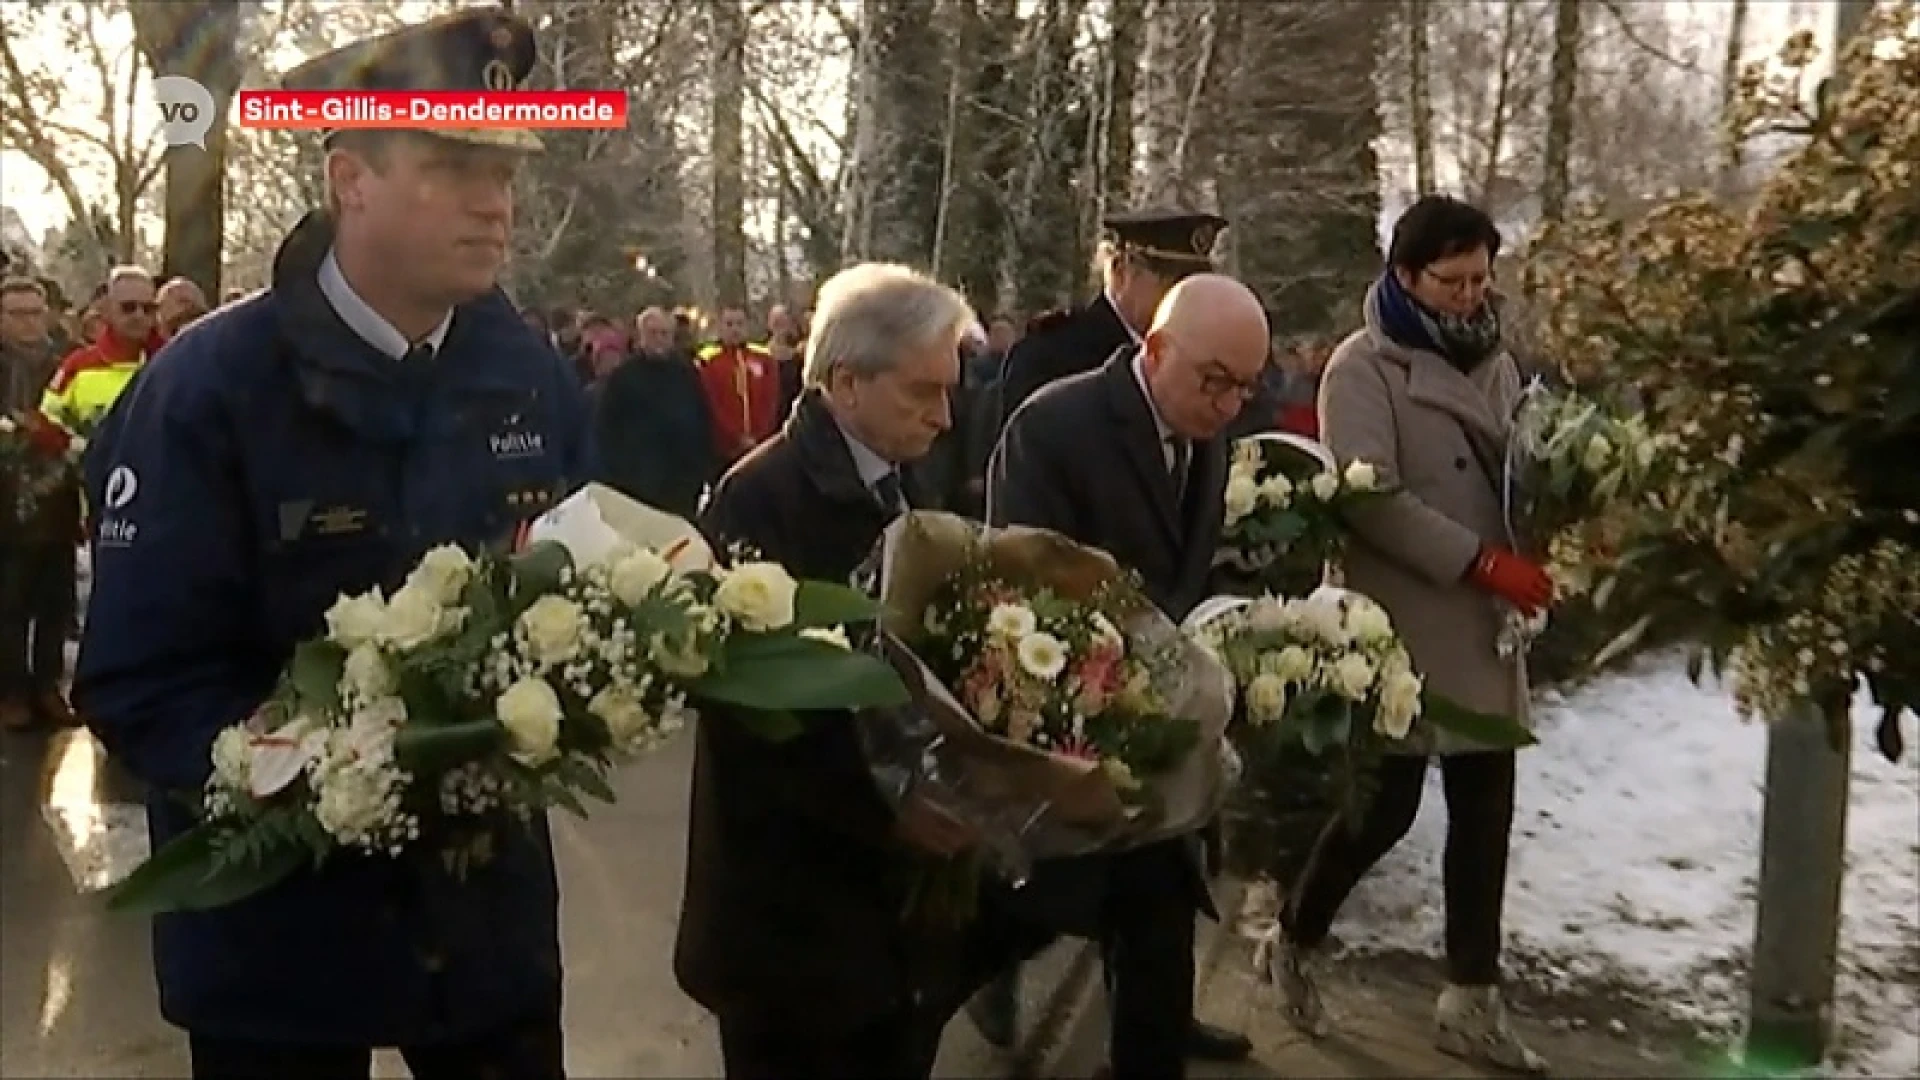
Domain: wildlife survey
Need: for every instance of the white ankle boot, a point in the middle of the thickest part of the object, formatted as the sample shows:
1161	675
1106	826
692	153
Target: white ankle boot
1295	971
1471	1022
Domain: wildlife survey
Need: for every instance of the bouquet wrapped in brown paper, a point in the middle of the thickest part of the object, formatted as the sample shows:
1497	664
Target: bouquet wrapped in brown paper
1055	709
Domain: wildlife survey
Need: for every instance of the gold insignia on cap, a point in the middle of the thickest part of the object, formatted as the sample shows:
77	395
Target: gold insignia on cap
1203	238
497	75
502	38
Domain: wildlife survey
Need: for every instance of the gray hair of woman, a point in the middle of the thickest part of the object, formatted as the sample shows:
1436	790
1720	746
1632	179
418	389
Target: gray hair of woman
868	317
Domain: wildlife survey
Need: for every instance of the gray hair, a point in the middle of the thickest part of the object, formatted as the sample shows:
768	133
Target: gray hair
867	315
127	273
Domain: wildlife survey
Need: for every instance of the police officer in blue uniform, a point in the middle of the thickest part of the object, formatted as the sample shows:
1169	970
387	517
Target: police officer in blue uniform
382	397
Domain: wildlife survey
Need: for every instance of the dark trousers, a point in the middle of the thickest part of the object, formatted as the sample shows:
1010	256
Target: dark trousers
529	1050
36	609
1146	941
1479	789
899	1046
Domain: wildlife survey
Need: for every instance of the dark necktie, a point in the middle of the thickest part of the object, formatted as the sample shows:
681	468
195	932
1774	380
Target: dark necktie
419	353
887	490
1179	454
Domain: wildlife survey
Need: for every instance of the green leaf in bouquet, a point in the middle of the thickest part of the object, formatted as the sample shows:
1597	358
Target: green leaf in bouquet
314	675
189	873
584	775
432	749
786	672
1488	729
537	570
820	604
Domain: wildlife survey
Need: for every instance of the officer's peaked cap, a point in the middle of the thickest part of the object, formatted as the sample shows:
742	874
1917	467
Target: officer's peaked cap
1177	236
480	49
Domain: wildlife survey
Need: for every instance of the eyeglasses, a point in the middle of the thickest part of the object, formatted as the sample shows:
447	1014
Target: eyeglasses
1460	282
1218	382
135	307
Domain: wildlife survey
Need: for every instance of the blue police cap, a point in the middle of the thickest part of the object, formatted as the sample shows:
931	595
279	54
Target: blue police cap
1183	237
481	49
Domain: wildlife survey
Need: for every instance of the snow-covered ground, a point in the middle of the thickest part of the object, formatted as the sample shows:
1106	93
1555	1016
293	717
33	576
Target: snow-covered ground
1636	856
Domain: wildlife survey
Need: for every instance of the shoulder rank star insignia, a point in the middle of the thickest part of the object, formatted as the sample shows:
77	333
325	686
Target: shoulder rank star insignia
336	520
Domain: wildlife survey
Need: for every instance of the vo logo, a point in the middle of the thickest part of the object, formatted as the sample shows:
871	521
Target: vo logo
186	111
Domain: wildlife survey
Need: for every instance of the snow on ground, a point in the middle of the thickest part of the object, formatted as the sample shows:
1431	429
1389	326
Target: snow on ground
1637	853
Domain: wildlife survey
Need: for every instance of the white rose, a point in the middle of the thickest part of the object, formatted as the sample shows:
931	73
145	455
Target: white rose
354	621
1399	704
1277	491
530	713
554	626
443	572
1011	621
1042	655
759	595
1266	699
1325	486
1599	452
832	635
1292	665
1322	618
414	617
367	673
1352	677
1242	496
1367	621
628	724
1360	476
636	574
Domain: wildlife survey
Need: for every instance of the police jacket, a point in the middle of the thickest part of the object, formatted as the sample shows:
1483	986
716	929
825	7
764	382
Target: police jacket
267	460
1059	344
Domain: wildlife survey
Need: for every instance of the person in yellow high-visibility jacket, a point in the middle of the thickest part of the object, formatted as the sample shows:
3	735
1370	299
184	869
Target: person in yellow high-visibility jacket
91	378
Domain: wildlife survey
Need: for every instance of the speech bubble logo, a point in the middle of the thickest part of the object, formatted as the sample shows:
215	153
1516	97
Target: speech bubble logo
186	111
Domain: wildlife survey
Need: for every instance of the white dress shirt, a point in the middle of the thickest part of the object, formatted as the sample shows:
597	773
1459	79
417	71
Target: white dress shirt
370	325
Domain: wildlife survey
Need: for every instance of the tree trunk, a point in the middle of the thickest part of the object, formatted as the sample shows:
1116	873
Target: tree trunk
1126	27
1503	91
900	80
1849	18
1563	82
1732	143
1420	94
198	40
1196	91
960	35
727	41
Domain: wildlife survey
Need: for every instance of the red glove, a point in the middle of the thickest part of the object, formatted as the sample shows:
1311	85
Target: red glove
1518	581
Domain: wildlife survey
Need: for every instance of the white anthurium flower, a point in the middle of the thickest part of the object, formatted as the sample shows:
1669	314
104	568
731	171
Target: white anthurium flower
554	626
443	572
356	620
530	712
1361	476
414	617
1266	699
278	758
1011	621
636	574
1242	498
758	595
1325	486
1042	655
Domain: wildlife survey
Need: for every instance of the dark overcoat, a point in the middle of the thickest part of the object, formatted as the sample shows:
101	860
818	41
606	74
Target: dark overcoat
1059	345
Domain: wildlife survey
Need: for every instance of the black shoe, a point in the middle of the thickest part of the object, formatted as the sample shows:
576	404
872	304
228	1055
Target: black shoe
995	1011
1206	1042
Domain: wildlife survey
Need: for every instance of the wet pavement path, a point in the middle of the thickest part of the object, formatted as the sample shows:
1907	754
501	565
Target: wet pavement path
76	986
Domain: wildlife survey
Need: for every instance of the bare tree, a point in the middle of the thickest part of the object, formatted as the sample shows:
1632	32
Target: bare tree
198	39
1562	83
1418	15
727	60
1730	140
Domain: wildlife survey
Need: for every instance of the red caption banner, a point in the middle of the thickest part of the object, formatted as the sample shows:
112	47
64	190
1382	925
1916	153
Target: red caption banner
426	110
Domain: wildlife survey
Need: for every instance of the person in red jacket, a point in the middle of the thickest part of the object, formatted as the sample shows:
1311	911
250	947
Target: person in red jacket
743	388
1302	363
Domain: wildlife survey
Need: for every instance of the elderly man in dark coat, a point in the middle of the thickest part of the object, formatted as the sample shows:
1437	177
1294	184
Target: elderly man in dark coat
797	865
1131	459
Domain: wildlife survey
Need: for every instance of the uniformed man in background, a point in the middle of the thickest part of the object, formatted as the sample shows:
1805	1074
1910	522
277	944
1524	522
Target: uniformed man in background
1142	256
315	439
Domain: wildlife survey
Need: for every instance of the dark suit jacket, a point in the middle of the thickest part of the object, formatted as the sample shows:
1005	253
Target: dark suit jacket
1057	347
1082	457
794	890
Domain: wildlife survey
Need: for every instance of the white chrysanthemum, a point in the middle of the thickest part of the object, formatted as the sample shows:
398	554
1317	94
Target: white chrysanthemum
354	621
1352	677
414	617
1011	621
758	595
443	573
1042	655
1266	699
530	713
636	574
1243	496
366	673
233	758
554	626
1325	486
357	801
831	635
1361	476
1277	491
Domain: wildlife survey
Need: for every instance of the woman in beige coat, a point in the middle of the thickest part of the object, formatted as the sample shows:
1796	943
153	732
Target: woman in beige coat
1426	393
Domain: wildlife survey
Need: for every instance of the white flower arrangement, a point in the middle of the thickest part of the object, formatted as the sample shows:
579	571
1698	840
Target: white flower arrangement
487	689
1284	509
